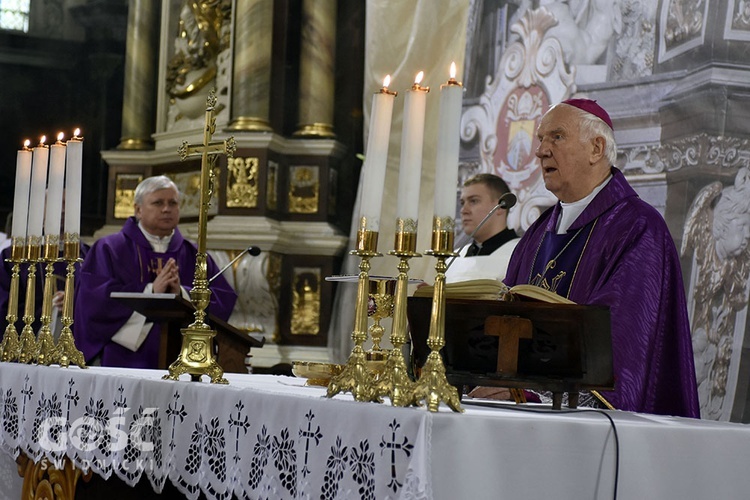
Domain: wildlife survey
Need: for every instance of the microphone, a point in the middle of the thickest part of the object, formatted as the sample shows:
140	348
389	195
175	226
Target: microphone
506	201
252	250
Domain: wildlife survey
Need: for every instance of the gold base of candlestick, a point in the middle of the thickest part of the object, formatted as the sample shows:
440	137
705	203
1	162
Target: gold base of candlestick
355	377
395	382
67	353
10	345
432	386
27	346
46	351
196	356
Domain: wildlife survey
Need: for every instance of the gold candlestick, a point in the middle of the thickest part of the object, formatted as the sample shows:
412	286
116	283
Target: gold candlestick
46	352
433	386
395	382
197	353
27	342
355	377
66	351
10	345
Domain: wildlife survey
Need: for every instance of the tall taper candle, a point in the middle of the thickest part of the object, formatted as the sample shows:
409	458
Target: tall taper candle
412	138
38	185
53	211
73	165
376	157
446	162
21	194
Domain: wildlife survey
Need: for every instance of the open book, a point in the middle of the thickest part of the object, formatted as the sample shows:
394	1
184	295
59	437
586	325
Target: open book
490	289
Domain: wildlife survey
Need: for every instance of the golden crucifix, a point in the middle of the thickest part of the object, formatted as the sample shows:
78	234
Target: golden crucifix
196	355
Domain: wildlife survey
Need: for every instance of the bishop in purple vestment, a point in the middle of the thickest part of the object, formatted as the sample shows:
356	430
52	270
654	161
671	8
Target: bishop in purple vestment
148	255
602	245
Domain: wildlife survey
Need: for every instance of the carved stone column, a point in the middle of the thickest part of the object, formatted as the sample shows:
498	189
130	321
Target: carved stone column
251	77
316	81
140	75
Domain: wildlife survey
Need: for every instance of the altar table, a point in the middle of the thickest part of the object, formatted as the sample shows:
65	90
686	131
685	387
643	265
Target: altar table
264	436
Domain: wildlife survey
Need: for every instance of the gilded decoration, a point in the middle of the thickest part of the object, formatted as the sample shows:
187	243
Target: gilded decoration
242	184
717	237
304	189
272	185
125	185
201	59
42	480
306	301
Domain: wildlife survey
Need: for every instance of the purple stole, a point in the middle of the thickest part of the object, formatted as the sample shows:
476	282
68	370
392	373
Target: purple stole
557	258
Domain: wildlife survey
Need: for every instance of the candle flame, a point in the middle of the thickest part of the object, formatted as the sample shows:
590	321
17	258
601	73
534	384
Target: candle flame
453	70
77	132
42	140
386	81
419	77
60	136
26	143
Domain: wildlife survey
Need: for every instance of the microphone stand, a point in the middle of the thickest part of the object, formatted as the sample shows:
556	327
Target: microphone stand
253	251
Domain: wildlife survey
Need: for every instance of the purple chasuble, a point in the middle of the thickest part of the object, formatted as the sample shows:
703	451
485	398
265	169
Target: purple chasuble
125	262
630	264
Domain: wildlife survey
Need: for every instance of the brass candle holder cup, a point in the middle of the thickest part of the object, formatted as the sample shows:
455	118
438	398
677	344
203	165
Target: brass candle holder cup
432	386
355	377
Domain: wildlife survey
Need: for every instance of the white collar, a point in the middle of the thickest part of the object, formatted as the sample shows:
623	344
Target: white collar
570	211
158	243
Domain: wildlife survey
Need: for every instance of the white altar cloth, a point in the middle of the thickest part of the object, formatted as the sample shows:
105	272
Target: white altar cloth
271	437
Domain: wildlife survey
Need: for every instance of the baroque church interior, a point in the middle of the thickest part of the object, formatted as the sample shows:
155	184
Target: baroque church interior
294	81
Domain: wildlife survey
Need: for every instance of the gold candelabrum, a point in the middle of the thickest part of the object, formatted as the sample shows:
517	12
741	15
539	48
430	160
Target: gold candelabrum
355	376
395	382
432	386
45	349
66	352
196	354
27	348
10	345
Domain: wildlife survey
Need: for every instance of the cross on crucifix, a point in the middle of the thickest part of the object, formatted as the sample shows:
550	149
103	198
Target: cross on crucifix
209	152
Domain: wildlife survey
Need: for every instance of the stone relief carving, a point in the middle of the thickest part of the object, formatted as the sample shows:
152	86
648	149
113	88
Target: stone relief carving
634	47
201	62
584	29
717	236
682	26
532	74
700	149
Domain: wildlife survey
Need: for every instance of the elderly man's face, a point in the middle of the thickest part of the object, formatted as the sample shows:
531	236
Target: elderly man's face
567	161
160	211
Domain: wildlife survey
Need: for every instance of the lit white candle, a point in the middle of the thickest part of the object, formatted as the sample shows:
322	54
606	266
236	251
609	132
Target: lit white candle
38	186
412	138
53	211
21	194
73	165
446	162
376	157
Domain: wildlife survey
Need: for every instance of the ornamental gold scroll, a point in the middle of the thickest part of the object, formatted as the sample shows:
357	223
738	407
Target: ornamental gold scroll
306	301
304	189
242	182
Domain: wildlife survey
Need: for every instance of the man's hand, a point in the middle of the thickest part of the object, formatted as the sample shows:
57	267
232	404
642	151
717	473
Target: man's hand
58	299
168	279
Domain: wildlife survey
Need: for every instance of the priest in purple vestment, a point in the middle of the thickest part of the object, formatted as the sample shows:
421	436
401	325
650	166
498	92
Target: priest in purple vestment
148	255
602	245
